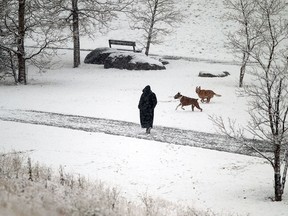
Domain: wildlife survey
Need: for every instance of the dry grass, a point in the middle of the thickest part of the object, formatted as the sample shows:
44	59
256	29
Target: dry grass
28	189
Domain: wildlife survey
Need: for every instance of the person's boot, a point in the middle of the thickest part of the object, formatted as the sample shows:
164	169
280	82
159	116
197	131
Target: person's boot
148	130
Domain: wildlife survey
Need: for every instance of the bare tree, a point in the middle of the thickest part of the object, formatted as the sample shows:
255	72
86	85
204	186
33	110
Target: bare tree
155	18
246	37
268	93
84	17
7	65
28	20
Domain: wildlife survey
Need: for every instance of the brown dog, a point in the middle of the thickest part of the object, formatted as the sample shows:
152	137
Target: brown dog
205	94
186	101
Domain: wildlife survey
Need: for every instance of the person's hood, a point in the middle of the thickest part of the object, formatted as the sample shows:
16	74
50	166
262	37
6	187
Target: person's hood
146	89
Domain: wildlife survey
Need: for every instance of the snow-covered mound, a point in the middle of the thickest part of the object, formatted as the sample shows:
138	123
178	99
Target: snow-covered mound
98	56
112	58
213	73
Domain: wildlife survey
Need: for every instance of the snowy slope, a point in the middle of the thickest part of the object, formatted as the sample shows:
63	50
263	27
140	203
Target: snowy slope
205	179
201	34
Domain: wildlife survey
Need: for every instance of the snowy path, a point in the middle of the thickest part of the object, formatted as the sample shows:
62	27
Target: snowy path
129	129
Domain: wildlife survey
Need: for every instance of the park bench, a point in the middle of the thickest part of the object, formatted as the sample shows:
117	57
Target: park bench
123	43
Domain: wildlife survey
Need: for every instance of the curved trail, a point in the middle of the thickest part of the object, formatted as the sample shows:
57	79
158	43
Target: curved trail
130	129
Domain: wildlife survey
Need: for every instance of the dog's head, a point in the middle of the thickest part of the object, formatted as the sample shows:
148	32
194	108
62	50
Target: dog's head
178	95
198	89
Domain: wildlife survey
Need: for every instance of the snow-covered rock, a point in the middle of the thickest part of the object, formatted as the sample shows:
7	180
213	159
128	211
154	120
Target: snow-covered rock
99	55
112	58
132	61
213	74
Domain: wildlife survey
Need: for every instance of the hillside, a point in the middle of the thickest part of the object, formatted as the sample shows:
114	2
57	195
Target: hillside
201	35
213	182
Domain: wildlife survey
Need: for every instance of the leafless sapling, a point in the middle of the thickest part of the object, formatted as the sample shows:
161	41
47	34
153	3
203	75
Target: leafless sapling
155	18
268	92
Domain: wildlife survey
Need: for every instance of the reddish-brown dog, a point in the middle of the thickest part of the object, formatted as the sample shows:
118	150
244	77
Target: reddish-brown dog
205	94
186	101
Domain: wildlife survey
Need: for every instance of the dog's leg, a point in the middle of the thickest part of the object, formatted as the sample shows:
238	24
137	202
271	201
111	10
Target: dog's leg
182	108
178	106
197	105
192	106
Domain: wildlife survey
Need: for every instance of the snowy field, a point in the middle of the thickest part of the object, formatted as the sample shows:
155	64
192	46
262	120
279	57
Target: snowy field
204	179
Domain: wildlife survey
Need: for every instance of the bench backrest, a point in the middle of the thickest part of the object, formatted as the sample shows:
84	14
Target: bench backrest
123	43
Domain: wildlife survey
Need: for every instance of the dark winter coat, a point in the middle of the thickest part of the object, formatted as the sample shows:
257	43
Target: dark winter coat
146	106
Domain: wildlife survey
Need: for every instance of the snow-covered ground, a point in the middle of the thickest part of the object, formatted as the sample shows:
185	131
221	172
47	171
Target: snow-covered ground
219	181
200	35
204	179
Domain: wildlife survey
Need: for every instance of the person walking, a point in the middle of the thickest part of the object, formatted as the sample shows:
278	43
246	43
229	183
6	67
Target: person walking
147	104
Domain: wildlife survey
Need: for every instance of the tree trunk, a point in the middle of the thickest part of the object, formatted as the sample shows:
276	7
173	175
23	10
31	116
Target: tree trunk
148	45
277	173
20	43
243	68
149	38
242	73
76	37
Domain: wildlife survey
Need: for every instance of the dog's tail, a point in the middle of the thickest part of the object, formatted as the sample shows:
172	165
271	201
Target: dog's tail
218	95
